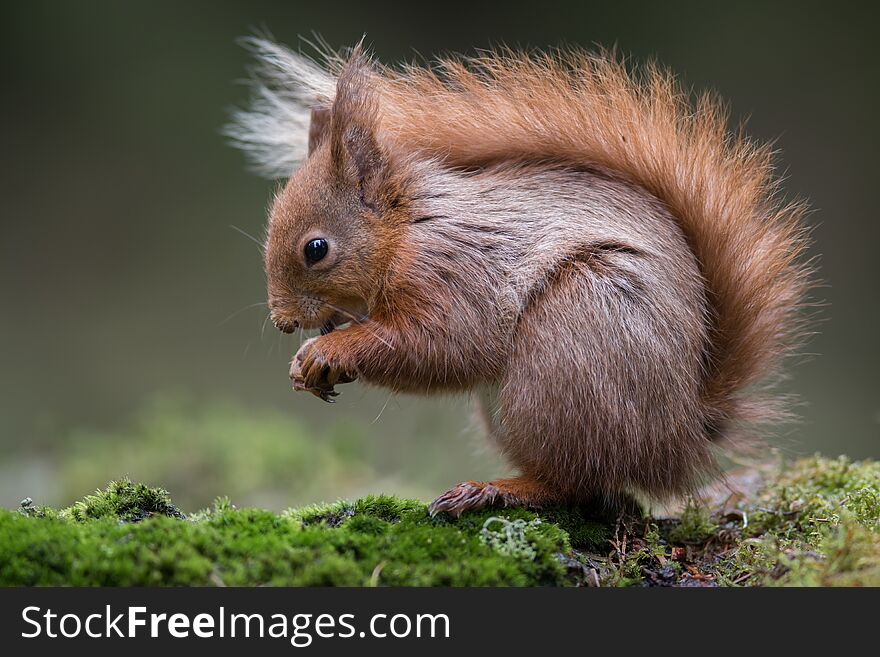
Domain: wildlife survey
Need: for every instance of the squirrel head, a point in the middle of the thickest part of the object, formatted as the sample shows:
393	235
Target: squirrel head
334	227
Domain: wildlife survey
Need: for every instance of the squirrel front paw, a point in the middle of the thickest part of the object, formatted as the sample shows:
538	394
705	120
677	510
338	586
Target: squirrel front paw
316	369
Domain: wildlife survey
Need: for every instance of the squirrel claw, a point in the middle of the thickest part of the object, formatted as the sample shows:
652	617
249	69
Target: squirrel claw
475	495
326	395
311	371
467	496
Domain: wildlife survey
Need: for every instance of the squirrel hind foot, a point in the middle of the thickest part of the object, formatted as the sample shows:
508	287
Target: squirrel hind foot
476	495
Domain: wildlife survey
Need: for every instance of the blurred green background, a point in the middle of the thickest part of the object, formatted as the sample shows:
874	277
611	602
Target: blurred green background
129	342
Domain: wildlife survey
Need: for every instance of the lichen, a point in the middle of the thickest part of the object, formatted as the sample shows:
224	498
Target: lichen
510	537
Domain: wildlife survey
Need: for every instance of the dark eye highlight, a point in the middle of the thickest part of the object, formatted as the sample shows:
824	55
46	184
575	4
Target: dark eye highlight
315	250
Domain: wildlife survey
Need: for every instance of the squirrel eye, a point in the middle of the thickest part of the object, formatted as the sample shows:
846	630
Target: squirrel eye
316	250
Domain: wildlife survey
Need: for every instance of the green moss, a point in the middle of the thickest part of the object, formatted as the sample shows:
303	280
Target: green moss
694	526
848	555
816	523
815	493
587	528
29	509
124	501
377	540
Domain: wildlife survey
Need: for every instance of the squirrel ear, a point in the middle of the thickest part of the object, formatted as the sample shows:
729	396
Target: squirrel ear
319	126
363	160
353	130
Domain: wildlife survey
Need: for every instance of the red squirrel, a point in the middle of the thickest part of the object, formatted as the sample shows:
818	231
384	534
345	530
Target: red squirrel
585	249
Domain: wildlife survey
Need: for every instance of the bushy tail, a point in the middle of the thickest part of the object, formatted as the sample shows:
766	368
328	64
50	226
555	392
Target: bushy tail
583	108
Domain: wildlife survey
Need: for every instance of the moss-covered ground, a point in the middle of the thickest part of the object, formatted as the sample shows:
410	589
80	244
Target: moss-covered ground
814	522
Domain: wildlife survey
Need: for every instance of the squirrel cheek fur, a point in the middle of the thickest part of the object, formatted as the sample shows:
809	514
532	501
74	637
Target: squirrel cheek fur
601	266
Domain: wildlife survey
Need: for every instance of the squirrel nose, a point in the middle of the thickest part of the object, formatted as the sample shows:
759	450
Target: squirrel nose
284	326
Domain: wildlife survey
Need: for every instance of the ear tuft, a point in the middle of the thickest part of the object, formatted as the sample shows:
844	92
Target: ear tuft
273	130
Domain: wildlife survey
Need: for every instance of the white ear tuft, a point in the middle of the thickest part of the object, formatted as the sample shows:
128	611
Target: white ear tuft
274	130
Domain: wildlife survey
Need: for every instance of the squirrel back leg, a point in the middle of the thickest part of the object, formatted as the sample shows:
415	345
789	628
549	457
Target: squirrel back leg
601	395
524	491
602	392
